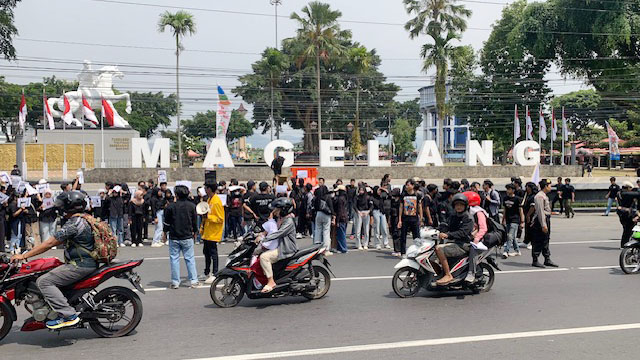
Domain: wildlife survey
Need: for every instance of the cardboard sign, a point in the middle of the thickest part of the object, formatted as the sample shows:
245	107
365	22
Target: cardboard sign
185	183
26	202
47	203
30	189
21	187
3	198
15	179
162	176
42	188
96	201
223	198
281	189
5	178
80	177
202	192
302	174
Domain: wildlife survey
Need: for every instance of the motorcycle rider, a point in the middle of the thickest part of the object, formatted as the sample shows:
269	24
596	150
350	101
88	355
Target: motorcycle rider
77	236
285	237
627	210
458	232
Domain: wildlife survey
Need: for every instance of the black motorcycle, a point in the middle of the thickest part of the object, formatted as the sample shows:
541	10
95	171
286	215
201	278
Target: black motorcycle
630	253
302	274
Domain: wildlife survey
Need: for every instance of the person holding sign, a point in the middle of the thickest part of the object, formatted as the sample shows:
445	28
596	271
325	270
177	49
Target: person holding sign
47	215
4	203
17	215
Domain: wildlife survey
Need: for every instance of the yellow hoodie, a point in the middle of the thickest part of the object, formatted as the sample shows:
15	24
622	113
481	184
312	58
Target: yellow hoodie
213	222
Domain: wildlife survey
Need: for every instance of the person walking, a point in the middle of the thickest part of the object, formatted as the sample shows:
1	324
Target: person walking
180	227
136	218
611	195
513	220
557	197
211	232
324	217
542	226
363	207
410	215
568	198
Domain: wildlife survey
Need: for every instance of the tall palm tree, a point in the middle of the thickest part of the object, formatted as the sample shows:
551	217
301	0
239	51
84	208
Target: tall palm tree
181	24
320	31
361	60
444	21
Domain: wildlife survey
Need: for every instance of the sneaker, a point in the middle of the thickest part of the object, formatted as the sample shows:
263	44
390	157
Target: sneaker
54	248
195	285
394	253
518	253
470	278
123	245
387	247
513	253
298	236
203	277
360	248
156	244
240	238
505	255
378	247
529	247
128	243
166	242
140	245
62	322
328	253
210	279
404	256
174	286
366	247
133	245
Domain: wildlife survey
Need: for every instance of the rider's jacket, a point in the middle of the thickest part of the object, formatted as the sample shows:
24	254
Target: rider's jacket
459	227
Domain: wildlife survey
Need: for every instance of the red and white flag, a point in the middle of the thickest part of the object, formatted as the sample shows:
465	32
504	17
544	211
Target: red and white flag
110	113
529	126
543	126
565	128
554	126
88	112
47	113
516	125
67	115
22	112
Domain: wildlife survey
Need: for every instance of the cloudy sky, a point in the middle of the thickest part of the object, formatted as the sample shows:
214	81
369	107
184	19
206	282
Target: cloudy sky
56	36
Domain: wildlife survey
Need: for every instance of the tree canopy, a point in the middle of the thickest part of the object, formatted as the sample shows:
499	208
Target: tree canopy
7	28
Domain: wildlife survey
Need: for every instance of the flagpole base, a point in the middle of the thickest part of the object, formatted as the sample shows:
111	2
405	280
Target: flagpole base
64	171
45	170
24	170
103	165
84	165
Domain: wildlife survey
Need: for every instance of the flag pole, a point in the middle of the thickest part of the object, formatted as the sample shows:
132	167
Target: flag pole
45	166
64	146
513	149
84	164
563	135
553	133
102	164
24	147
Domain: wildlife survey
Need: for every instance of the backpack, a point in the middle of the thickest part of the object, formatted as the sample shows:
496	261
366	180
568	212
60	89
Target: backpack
105	248
496	233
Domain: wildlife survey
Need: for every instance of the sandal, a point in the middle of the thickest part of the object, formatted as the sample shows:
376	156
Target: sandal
439	283
266	289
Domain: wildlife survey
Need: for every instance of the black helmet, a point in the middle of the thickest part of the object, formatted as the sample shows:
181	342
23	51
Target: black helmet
459	197
284	204
71	202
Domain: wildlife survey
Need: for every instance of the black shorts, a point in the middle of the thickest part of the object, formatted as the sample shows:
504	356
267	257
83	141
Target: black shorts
453	250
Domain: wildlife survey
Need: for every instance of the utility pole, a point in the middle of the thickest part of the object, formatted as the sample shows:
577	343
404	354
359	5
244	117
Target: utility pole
275	3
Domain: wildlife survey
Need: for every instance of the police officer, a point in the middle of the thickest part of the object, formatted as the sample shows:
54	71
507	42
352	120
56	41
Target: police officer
542	226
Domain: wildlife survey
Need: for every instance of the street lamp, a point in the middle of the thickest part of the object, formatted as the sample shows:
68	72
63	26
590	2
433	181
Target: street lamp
276	3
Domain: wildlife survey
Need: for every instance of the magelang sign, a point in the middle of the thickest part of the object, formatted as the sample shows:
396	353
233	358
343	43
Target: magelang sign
526	153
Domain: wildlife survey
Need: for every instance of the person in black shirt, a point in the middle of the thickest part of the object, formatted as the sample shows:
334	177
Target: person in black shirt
247	214
528	208
410	215
568	197
234	213
115	206
352	192
394	218
3	216
259	204
16	171
430	210
627	210
611	195
513	219
137	211
363	207
341	218
180	226
557	198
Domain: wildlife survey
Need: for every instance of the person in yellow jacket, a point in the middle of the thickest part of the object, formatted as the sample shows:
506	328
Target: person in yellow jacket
211	231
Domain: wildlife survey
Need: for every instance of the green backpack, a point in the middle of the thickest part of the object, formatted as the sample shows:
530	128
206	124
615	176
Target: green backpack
105	248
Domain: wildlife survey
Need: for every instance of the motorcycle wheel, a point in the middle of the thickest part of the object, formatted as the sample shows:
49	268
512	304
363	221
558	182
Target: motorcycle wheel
629	258
406	282
227	291
116	301
6	321
485	282
322	280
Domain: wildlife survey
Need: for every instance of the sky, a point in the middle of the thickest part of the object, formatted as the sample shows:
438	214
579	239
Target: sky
56	36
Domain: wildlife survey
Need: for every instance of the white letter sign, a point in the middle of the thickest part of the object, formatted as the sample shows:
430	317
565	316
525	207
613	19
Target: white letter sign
218	154
373	156
476	152
527	153
140	150
429	154
328	151
287	155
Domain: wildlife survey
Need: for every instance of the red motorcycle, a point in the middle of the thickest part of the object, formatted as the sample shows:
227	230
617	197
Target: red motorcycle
112	312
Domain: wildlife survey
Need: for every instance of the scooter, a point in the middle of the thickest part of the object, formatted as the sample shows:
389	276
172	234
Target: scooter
111	312
630	254
416	271
301	274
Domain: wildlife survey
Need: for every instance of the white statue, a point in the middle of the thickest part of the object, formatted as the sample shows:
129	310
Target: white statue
95	85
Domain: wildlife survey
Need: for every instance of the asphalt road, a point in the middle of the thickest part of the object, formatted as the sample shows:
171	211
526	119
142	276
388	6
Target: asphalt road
586	309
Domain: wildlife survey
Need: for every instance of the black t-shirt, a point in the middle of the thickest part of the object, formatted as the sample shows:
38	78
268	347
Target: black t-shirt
431	204
567	191
247	200
410	204
235	201
260	206
559	189
512	206
613	191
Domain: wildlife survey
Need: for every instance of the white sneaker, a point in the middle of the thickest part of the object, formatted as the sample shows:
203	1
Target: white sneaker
505	255
140	245
240	238
133	245
378	247
366	247
529	246
210	279
298	236
387	246
54	248
360	248
513	253
328	253
123	245
166	242
156	245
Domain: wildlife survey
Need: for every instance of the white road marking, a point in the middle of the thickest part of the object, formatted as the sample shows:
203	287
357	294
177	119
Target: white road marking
582	242
428	342
602	267
530	271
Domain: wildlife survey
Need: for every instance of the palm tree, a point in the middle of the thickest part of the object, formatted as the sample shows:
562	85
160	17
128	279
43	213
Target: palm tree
361	60
443	21
181	23
275	63
320	31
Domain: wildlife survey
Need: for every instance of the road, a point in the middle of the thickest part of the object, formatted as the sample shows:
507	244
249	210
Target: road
586	309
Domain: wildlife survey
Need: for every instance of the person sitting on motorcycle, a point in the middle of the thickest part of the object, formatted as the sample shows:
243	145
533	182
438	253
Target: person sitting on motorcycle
285	237
457	232
479	215
77	236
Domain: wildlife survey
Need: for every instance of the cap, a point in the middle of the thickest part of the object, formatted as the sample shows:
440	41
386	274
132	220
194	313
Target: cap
42	181
263	186
544	182
250	184
101	191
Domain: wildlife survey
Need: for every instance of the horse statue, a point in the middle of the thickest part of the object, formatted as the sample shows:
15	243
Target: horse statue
95	85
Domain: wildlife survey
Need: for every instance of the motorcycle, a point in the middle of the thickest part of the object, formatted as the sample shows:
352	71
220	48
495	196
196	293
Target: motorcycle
300	274
111	312
416	271
630	254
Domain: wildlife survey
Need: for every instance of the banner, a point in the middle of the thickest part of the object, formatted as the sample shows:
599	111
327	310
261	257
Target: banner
223	115
614	150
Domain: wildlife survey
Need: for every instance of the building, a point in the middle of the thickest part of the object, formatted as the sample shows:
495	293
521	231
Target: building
456	131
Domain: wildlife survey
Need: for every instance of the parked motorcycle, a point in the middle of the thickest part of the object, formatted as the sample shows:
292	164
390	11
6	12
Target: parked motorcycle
630	254
111	312
301	274
416	272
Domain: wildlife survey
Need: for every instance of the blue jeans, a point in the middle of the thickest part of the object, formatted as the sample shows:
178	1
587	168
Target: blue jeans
341	237
117	228
512	235
198	224
380	228
610	202
157	234
16	237
322	233
186	247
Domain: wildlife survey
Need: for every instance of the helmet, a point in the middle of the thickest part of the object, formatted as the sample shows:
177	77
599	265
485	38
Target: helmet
284	204
473	197
71	202
459	197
